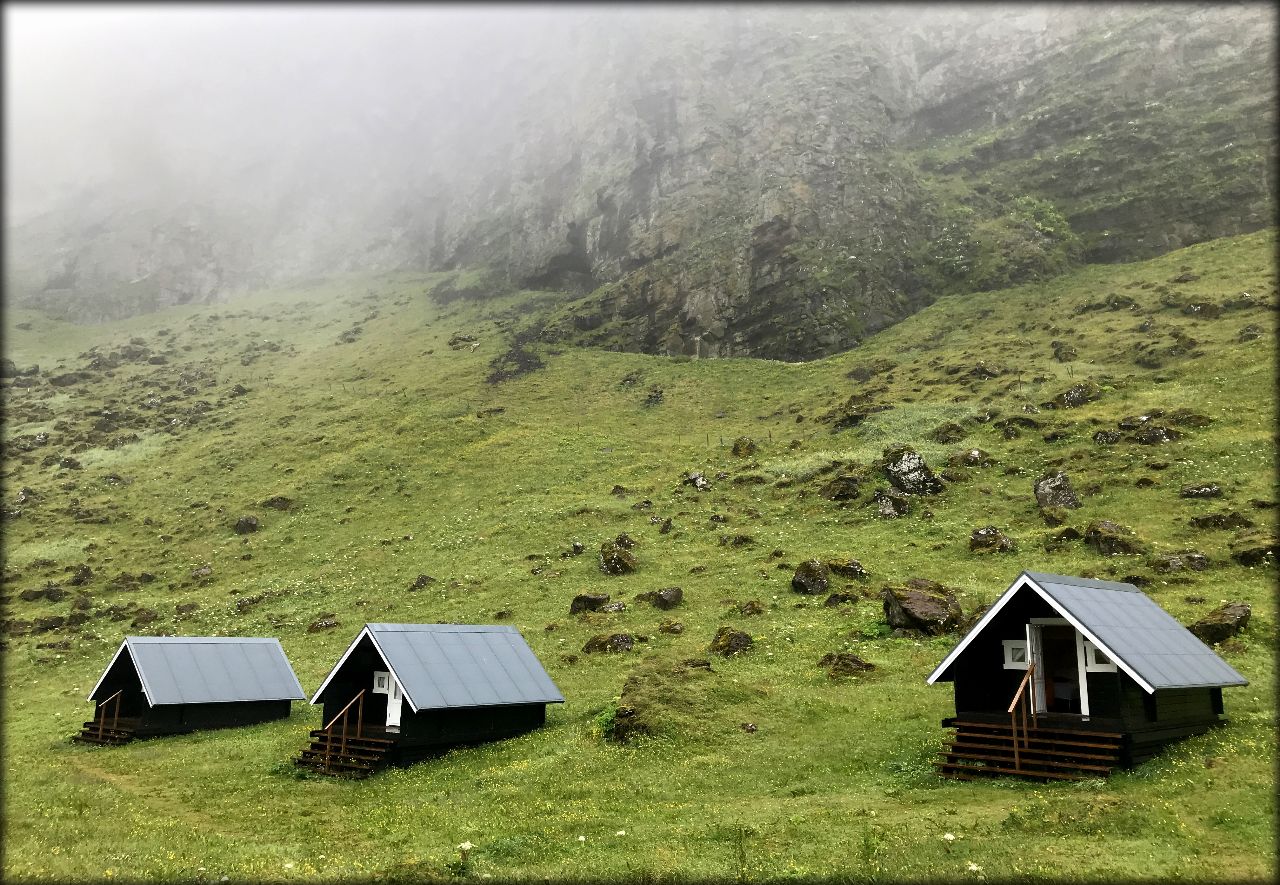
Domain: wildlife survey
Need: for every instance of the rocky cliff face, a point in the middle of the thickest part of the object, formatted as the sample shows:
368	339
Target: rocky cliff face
772	182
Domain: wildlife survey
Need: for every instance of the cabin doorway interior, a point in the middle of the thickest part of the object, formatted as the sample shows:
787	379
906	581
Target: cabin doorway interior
1056	650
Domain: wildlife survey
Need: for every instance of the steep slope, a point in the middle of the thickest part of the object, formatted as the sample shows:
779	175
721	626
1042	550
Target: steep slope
353	420
712	182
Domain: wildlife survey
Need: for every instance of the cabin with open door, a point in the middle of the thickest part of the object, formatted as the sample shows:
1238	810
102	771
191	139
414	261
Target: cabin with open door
158	685
401	692
1067	677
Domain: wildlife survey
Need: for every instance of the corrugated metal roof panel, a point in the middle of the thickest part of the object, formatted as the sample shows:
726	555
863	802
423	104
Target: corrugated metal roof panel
212	669
464	665
1138	632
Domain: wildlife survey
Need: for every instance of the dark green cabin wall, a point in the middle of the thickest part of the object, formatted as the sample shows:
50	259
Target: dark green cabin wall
982	685
180	718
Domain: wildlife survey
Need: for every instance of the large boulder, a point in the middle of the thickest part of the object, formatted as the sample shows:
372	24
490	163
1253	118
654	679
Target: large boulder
666	598
907	472
615	560
811	576
1222	623
922	605
729	641
588	602
1055	491
1110	538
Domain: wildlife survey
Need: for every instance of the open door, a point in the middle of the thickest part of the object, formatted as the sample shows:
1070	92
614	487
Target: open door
393	705
1035	658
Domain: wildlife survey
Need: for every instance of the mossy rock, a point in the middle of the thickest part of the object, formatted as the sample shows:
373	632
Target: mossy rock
616	560
1110	538
728	642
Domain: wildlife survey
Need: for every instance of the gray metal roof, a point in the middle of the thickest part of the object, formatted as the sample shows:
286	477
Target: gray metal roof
1131	627
1127	625
460	665
210	669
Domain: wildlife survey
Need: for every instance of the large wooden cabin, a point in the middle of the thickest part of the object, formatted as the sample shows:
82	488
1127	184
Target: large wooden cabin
402	691
1067	677
173	684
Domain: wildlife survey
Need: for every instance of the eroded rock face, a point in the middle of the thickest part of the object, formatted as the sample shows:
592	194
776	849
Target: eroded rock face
1222	623
811	576
922	605
1056	491
908	472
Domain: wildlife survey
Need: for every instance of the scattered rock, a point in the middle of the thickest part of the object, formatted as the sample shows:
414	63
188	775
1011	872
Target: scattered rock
625	541
909	473
81	576
1077	395
847	568
588	602
609	644
841	488
1063	352
811	576
1201	490
1154	436
673	628
69	463
1110	538
144	616
279	502
1222	623
697	480
1176	562
843	663
1055	491
744	447
665	526
1251	332
182	609
729	641
837	599
614	607
326	621
654	396
990	540
615	560
1232	519
752	607
421	582
1188	418
970	458
247	525
891	504
1107	437
203	571
1254	548
948	433
666	598
922	605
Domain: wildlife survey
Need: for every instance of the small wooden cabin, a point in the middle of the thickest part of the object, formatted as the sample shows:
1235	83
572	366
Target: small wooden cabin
1067	677
403	691
173	684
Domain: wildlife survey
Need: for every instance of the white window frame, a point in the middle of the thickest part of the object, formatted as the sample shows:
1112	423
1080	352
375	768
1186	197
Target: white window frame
386	686
1091	662
1009	646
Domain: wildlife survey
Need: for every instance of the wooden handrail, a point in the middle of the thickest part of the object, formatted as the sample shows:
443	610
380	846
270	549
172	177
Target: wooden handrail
102	720
344	714
1013	716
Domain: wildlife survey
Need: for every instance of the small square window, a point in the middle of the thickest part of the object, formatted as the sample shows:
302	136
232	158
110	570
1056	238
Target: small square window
1095	661
1015	654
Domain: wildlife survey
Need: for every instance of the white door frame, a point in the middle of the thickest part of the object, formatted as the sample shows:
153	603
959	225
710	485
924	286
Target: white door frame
1035	653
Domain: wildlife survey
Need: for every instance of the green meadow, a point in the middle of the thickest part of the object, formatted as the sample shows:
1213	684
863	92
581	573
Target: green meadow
400	459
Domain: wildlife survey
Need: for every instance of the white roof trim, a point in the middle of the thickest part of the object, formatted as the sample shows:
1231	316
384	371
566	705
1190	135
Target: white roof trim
365	631
1000	603
146	694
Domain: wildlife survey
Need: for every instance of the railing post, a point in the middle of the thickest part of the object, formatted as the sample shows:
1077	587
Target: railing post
115	722
360	716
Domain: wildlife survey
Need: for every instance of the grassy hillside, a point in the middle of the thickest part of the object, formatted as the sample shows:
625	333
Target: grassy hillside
399	459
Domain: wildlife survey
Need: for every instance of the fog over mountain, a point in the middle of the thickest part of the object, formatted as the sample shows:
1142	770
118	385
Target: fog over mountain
765	180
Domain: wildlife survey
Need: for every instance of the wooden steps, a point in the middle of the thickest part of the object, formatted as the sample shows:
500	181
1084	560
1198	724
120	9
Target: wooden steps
984	749
362	757
100	733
